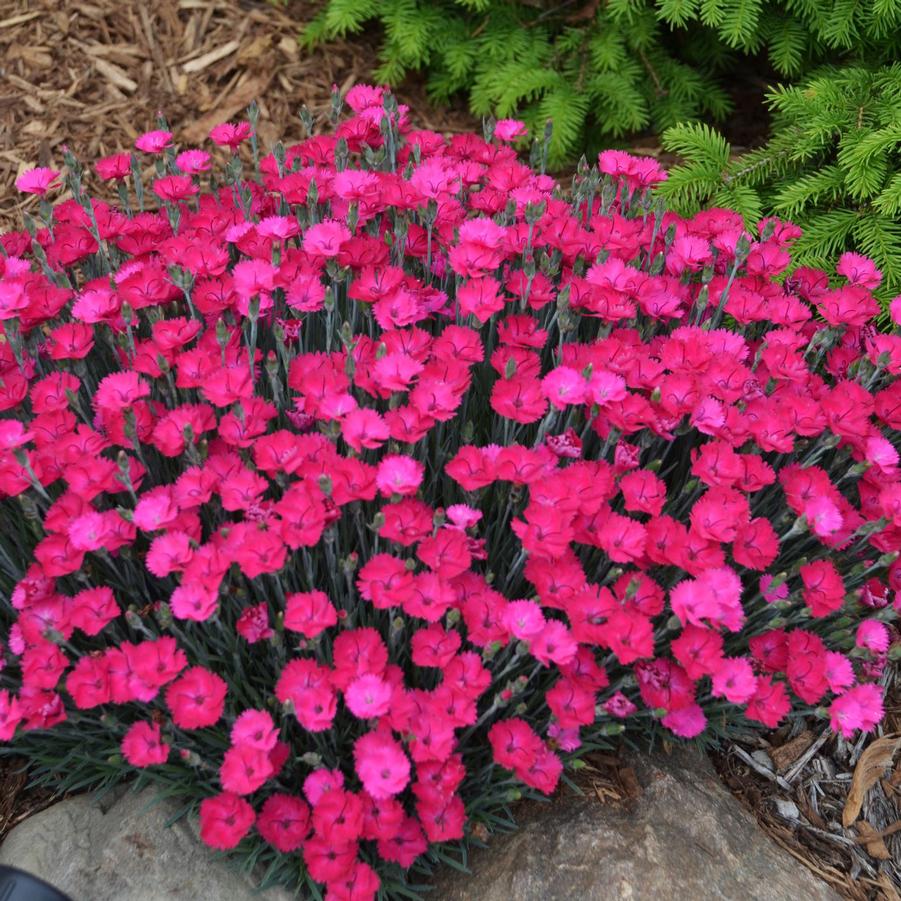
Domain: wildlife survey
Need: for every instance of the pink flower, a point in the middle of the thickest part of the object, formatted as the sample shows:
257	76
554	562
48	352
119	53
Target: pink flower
381	764
38	180
253	623
325	238
734	680
882	454
524	619
686	722
564	387
278	227
872	635
155	510
196	698
194	601
13	434
230	134
11	714
823	516
858	708
284	822
154	142
399	474
309	612
321	781
463	516
509	129
192	162
254	729
606	387
88	532
859	270
895	310
839	672
565	739
143	745
619	705
554	644
368	696
771	594
244	769
224	820
115	167
770	703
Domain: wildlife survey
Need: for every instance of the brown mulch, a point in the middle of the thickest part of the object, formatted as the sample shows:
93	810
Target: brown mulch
18	800
832	804
93	75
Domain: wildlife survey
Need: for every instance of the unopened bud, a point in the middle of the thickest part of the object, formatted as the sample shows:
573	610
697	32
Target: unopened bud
163	614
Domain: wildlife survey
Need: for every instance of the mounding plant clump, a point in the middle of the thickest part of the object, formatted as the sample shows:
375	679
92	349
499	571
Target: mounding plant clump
355	490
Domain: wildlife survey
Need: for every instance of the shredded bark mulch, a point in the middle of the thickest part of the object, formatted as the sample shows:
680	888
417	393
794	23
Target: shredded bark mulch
93	75
834	805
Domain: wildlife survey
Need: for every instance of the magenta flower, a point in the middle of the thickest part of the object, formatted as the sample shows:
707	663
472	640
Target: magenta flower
38	180
859	708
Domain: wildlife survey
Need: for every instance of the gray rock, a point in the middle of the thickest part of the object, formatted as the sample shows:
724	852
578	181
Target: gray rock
124	851
685	837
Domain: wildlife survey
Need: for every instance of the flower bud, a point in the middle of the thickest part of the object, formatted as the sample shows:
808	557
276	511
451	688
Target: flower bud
163	614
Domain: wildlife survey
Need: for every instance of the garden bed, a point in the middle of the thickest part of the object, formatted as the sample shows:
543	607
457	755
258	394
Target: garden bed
94	77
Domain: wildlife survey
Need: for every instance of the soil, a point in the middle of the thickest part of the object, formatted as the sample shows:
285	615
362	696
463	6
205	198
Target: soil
17	799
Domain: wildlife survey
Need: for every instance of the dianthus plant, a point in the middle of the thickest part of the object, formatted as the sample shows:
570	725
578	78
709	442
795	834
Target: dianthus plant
360	488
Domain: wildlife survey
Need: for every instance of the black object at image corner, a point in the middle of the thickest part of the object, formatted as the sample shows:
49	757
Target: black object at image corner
16	885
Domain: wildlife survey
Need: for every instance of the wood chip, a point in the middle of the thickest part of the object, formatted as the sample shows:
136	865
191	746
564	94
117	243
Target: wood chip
213	56
784	756
115	75
155	52
19	19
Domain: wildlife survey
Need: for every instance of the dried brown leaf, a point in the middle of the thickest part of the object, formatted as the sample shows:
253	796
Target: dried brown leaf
877	758
872	841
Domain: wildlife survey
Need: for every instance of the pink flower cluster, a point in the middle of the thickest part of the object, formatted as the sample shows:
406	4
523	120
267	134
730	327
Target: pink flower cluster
399	473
